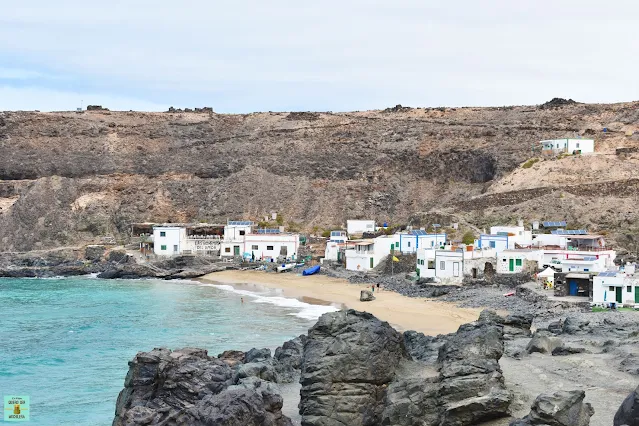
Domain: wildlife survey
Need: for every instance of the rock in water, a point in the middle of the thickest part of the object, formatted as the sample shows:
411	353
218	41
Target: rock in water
187	387
349	359
564	408
288	359
628	412
366	296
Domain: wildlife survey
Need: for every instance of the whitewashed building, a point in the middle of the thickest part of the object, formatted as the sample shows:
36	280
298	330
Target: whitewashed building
452	266
505	238
567	145
335	242
615	286
367	254
168	240
513	261
234	233
411	241
271	246
358	227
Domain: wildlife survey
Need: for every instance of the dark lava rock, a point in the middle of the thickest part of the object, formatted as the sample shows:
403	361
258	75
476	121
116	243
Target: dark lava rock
563	408
567	350
628	412
411	402
573	325
303	116
516	325
630	364
557	103
366	296
471	388
94	253
288	359
232	358
542	343
257	355
187	386
556	327
349	359
423	348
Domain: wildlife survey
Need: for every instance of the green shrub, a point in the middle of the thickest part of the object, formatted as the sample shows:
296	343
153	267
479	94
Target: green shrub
326	234
468	238
528	164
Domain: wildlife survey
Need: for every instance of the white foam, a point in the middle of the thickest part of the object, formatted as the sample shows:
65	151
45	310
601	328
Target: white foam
304	310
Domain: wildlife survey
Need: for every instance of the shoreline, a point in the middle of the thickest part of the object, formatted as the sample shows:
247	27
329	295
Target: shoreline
404	313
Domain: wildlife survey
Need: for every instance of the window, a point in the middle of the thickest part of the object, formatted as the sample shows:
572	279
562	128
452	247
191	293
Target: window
517	262
254	247
577	145
492	244
162	247
269	247
175	248
431	264
242	232
629	289
409	244
162	234
611	288
227	249
442	265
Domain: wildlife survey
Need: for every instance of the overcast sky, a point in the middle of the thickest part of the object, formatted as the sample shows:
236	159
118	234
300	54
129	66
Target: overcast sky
250	55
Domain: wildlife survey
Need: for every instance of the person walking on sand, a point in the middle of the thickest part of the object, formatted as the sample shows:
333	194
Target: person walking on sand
373	288
378	287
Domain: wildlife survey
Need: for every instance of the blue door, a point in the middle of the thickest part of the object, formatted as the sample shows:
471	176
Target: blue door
573	287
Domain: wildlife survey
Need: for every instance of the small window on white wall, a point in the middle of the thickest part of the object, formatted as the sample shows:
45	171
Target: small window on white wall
409	244
442	265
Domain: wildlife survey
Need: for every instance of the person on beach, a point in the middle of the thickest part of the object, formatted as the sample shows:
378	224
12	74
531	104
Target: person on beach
378	287
373	288
242	299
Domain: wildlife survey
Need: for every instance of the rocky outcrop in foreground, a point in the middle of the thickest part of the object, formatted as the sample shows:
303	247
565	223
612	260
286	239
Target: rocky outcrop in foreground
564	408
628	413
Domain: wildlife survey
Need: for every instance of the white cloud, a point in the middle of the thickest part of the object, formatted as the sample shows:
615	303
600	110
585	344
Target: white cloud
233	55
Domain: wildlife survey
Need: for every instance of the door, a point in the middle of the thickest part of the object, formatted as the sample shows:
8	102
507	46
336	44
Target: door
618	291
511	265
637	294
372	262
455	269
236	250
574	288
175	248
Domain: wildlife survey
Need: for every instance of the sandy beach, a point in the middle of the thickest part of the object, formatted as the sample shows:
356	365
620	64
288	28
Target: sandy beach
404	313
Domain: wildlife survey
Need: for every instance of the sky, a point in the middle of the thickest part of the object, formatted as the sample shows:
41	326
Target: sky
243	56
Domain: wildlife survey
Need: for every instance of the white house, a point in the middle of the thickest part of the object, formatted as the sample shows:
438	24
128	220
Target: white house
234	233
335	242
512	261
615	286
358	227
505	238
580	260
367	254
413	240
451	265
497	242
168	240
271	246
570	146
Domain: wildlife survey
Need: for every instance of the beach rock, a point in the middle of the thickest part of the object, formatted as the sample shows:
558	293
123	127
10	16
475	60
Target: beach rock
264	370
288	359
411	402
563	408
186	386
232	358
542	343
349	359
257	355
628	412
630	364
471	388
423	348
574	325
94	253
366	296
517	325
556	327
567	350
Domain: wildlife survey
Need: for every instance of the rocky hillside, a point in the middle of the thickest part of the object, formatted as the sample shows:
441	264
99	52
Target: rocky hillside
71	178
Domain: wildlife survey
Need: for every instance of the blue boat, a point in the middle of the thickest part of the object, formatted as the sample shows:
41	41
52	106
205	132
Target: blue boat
311	271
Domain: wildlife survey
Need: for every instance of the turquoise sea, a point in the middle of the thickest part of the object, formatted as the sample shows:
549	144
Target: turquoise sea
66	342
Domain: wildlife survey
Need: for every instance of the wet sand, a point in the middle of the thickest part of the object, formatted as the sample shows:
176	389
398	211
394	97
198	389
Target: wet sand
404	313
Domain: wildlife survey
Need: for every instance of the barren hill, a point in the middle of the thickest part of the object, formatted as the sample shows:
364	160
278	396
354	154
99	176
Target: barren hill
69	178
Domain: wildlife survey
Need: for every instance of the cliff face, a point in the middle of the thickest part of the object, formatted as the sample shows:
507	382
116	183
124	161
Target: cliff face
68	178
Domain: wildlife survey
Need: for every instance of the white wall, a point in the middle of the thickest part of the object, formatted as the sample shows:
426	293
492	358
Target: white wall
449	265
586	146
549	240
331	251
519	259
201	245
360	226
601	288
500	242
236	233
411	243
267	247
169	238
604	262
359	258
338	237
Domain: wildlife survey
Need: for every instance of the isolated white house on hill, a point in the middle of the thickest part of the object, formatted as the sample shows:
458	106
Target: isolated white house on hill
570	146
358	227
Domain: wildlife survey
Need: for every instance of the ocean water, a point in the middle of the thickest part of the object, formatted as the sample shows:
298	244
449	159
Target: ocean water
66	342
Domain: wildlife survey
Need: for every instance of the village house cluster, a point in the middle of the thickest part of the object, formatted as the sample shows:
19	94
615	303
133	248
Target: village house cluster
572	262
237	238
